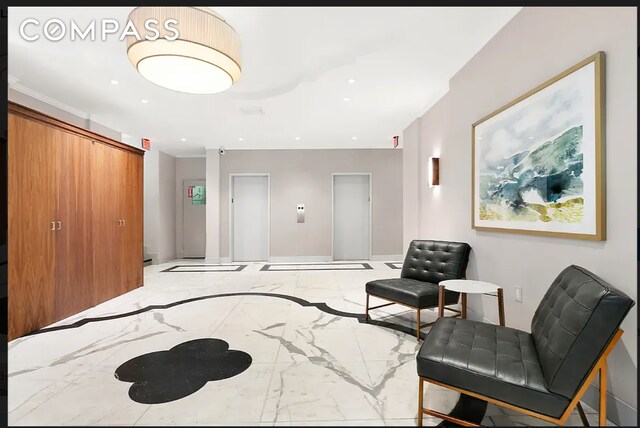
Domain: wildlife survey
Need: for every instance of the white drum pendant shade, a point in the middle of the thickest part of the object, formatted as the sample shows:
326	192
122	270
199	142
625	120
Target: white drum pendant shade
204	59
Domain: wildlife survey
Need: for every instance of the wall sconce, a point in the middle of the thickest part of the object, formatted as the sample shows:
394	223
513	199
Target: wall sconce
434	171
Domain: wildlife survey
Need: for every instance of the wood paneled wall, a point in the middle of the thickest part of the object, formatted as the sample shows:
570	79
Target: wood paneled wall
75	219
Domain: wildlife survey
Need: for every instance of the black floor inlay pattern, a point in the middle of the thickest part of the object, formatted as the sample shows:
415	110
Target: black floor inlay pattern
205	268
397	265
285	267
467	408
163	376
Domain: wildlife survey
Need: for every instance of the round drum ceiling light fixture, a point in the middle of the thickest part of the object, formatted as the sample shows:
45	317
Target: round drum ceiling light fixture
204	58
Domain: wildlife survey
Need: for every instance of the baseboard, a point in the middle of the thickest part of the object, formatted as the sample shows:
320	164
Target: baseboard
618	412
300	259
153	257
387	258
212	260
225	259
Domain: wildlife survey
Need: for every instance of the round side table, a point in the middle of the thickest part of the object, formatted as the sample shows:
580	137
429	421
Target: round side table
470	286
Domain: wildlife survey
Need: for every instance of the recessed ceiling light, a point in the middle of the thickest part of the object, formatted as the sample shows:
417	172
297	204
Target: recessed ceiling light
479	138
352	80
531	138
240	139
297	138
113	81
354	138
144	101
183	139
346	99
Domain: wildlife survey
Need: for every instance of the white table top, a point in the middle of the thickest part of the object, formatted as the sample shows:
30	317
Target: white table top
469	286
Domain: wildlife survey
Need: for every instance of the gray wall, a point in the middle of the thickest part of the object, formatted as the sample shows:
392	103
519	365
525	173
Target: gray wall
212	189
533	47
304	176
159	206
166	232
186	169
151	192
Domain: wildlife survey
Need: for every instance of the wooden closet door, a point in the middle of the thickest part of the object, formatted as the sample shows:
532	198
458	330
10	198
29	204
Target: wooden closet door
105	195
31	210
122	159
74	247
133	200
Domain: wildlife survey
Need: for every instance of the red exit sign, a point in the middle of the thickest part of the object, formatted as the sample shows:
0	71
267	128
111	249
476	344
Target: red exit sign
146	144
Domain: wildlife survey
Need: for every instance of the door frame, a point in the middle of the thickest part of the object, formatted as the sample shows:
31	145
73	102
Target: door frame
249	174
333	175
182	225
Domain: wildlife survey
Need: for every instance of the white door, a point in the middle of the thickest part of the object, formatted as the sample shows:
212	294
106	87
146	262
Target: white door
351	240
194	219
250	210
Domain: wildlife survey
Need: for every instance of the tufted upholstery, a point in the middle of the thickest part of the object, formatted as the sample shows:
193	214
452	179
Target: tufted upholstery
574	322
435	261
426	264
498	362
541	371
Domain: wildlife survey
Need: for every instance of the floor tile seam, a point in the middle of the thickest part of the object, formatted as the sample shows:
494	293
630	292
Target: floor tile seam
143	413
266	397
45	401
30	397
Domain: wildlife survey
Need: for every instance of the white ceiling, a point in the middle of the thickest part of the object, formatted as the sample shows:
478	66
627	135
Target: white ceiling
296	63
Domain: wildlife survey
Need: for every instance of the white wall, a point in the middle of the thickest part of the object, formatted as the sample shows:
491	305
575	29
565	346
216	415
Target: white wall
166	232
533	47
160	206
212	190
186	169
150	201
304	176
411	184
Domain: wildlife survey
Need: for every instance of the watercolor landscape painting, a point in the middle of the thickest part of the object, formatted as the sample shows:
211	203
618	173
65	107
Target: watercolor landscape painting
537	162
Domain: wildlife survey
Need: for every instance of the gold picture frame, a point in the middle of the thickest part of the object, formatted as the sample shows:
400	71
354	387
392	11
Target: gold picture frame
545	225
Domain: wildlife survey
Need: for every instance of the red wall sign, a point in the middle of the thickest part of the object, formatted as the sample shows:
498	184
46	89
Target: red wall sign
395	141
146	144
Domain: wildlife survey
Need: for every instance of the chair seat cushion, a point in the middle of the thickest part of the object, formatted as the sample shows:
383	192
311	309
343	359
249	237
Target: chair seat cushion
418	294
494	361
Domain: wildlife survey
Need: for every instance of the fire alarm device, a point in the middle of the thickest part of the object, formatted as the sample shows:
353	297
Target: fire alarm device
396	139
146	144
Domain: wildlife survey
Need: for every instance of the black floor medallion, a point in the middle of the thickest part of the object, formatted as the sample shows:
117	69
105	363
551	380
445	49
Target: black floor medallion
163	376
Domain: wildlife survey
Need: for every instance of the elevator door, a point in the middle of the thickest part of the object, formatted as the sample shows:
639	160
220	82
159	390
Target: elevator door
351	217
250	205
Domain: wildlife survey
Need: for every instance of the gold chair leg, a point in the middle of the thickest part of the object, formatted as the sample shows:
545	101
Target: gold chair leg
602	412
420	398
418	325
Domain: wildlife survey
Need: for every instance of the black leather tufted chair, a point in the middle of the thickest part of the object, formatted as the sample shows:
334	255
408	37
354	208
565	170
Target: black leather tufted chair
426	264
543	373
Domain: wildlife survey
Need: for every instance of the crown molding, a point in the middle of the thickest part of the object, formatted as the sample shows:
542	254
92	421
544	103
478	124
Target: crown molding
45	99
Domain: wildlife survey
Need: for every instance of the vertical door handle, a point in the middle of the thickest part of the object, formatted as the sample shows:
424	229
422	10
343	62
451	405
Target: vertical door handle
53	225
124	223
59	225
119	224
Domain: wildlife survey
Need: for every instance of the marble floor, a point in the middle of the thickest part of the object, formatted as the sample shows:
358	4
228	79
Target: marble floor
307	366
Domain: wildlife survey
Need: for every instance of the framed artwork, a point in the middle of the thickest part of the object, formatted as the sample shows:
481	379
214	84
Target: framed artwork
538	162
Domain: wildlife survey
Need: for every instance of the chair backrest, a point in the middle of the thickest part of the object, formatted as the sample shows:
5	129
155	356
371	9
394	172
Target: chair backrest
435	261
575	321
